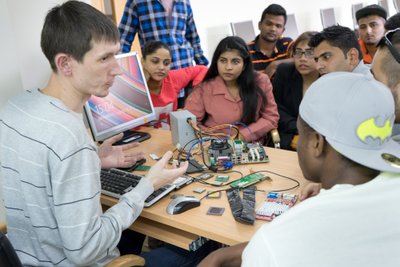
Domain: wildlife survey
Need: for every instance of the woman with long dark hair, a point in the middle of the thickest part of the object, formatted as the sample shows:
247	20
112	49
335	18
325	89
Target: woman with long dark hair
165	84
233	93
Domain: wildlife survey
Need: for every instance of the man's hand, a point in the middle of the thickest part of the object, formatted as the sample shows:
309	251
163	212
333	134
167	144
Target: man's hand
159	175
310	190
118	156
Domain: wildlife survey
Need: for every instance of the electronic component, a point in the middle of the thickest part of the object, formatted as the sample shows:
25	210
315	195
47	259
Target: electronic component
215	194
182	181
216	211
222	178
199	190
134	166
154	156
205	176
227	152
249	180
182	132
194	166
275	205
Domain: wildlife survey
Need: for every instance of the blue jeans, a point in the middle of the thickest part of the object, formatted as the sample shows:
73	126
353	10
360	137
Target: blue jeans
171	256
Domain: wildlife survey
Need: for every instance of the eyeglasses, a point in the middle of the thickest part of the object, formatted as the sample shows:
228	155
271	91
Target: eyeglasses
308	53
387	40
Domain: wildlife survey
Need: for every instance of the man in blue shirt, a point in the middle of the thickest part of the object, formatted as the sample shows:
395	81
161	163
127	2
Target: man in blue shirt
171	22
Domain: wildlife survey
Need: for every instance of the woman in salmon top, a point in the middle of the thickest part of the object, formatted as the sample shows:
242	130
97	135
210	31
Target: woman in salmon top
233	93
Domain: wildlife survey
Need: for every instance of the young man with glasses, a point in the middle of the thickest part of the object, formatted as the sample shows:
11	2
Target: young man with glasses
336	48
270	48
371	20
291	81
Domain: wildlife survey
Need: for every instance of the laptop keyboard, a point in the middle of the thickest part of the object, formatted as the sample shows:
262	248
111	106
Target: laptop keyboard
115	183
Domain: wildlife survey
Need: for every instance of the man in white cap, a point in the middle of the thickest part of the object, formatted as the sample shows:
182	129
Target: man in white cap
345	123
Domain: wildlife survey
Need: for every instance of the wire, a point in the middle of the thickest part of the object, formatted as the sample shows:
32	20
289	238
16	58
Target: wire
247	127
297	183
212	192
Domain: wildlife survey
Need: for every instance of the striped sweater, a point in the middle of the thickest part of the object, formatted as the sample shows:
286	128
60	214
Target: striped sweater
50	172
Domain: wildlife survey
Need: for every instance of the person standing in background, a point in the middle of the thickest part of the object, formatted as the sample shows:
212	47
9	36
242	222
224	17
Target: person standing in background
169	21
370	20
270	48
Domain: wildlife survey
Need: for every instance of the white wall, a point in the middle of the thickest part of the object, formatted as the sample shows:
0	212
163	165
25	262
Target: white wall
213	16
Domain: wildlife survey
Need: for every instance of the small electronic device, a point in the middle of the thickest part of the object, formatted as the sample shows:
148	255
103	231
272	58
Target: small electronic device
134	166
204	176
275	204
222	178
216	211
222	151
128	104
216	194
249	180
182	181
199	190
181	131
182	204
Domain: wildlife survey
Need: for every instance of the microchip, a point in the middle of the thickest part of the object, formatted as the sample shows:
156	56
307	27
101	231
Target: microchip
216	211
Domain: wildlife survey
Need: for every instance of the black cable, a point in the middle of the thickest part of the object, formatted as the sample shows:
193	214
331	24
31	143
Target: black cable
283	176
213	192
182	149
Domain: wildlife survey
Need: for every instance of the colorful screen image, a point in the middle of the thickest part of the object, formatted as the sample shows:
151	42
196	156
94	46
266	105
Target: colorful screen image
127	105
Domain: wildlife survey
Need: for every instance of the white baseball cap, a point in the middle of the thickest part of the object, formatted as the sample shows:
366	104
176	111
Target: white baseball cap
355	114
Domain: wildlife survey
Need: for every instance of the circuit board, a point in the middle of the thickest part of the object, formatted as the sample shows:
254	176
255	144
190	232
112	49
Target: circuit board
236	151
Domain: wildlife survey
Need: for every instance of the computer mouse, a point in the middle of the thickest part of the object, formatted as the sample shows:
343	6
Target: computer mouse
181	204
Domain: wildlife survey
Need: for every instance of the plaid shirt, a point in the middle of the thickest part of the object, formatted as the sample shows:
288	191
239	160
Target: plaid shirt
150	20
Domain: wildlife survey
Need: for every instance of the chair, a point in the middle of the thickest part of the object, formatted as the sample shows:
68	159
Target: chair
272	139
8	257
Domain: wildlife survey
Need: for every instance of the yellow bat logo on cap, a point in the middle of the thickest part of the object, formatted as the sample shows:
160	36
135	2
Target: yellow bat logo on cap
369	128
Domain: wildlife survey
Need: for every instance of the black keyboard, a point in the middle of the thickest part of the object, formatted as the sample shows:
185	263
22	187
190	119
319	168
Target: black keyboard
115	183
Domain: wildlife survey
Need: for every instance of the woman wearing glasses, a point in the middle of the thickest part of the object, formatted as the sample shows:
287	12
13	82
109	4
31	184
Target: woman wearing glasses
289	85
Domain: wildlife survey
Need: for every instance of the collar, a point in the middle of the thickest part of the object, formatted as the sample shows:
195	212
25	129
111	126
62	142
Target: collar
219	88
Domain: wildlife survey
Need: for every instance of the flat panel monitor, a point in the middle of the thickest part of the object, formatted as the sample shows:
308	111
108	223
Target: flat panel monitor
291	29
354	9
244	30
328	17
127	105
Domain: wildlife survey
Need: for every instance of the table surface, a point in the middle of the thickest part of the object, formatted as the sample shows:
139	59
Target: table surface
182	229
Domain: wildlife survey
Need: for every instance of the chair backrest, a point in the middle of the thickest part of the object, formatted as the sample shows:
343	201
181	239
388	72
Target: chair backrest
244	29
291	29
328	17
8	257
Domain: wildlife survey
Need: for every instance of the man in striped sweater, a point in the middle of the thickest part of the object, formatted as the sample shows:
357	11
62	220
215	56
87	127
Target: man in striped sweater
50	166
